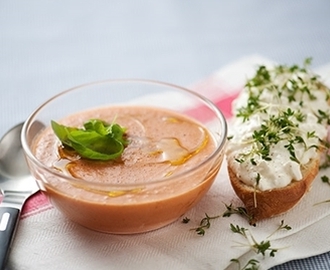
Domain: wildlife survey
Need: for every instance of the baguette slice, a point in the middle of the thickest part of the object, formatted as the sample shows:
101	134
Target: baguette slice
265	204
286	104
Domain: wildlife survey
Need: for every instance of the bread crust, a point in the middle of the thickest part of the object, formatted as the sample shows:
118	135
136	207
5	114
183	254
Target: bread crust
265	204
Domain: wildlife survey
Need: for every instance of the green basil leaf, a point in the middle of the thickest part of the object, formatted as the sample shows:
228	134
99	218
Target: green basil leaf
118	133
98	126
97	150
98	140
62	132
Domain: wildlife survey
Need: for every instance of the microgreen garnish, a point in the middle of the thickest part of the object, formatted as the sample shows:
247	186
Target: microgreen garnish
297	82
282	226
325	179
252	264
255	188
323	117
238	229
288	85
273	130
261	247
205	223
326	157
97	140
230	210
185	220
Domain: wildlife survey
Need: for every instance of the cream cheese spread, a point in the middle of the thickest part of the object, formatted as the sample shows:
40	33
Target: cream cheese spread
280	121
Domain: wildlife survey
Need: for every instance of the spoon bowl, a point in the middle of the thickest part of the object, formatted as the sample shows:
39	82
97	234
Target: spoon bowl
16	185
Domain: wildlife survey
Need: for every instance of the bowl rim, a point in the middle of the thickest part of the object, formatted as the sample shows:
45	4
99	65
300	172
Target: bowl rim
82	182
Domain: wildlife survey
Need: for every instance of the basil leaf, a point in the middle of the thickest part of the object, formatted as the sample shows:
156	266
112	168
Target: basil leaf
62	132
98	140
118	133
98	126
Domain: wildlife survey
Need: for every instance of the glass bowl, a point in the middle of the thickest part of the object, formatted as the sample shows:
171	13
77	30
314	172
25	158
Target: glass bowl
128	195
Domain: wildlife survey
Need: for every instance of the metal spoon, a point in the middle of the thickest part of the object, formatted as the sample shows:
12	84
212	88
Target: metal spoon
16	184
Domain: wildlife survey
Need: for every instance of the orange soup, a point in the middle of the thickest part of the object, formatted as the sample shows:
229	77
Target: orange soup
161	174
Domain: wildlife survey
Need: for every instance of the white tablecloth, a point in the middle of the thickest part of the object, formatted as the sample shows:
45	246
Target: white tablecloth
48	236
50	46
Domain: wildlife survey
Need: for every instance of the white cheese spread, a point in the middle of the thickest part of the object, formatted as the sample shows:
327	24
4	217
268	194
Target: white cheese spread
280	119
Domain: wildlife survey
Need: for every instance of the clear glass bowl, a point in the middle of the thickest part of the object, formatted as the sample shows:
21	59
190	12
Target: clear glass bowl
133	207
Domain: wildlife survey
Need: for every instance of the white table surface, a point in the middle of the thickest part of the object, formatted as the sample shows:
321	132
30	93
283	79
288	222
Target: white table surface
50	46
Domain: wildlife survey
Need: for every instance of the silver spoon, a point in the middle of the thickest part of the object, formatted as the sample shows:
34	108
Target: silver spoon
16	184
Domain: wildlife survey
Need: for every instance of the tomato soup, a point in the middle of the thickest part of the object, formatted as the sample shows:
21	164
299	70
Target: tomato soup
165	169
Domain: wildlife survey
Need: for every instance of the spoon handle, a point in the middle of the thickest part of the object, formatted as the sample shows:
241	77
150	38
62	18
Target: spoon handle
8	223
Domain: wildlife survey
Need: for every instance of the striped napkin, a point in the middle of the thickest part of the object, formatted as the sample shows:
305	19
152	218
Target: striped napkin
47	240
